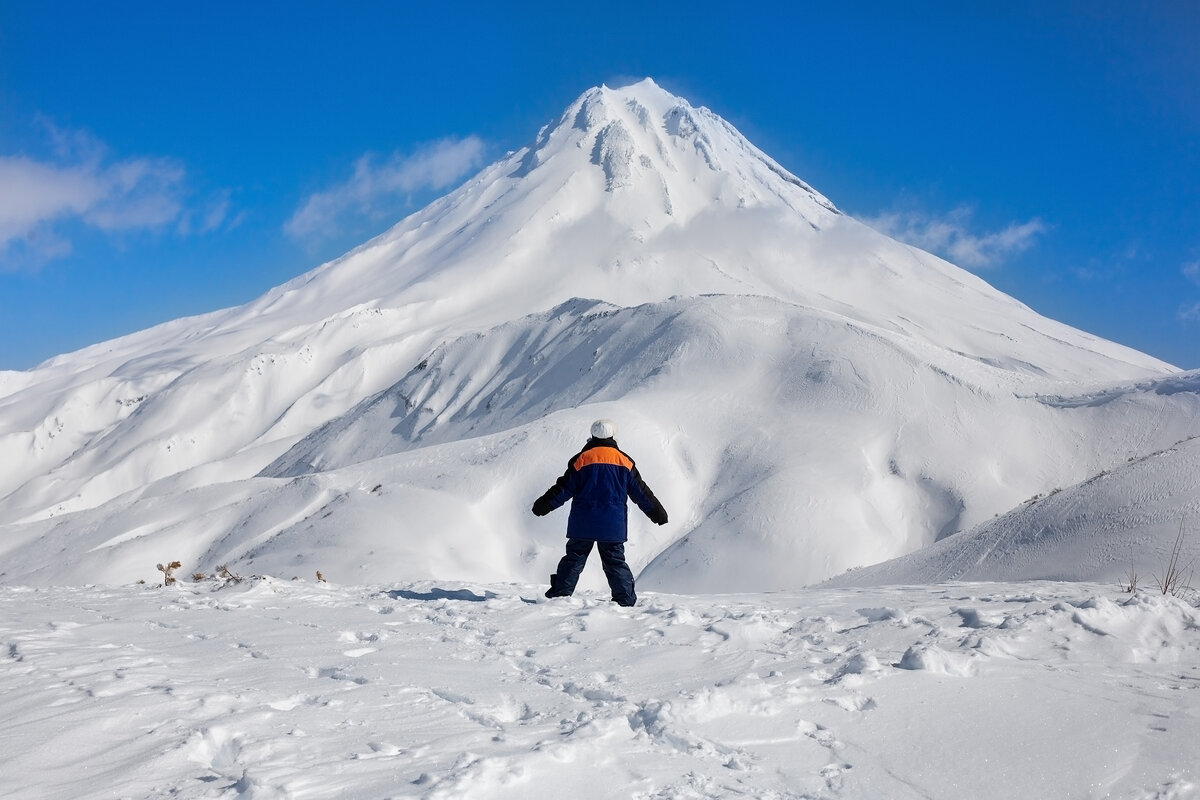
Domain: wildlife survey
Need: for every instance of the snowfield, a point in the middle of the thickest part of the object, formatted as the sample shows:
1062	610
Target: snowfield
296	689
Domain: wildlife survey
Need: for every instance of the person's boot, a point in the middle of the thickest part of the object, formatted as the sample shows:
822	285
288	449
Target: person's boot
555	589
626	600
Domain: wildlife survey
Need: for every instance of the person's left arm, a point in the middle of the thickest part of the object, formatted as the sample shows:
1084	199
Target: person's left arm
640	494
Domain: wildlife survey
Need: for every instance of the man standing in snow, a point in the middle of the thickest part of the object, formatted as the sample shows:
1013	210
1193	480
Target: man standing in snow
597	482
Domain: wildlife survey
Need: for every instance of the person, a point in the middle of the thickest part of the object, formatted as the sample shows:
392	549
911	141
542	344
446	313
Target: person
598	481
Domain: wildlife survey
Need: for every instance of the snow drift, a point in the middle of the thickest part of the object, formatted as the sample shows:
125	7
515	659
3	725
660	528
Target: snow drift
1119	525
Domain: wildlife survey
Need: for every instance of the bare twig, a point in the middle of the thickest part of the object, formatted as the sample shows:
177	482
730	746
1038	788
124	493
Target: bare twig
224	572
1176	578
1130	585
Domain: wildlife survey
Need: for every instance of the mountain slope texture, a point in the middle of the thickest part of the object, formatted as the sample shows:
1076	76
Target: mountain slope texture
804	394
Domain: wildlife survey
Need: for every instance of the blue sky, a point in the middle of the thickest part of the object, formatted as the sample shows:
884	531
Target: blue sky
161	159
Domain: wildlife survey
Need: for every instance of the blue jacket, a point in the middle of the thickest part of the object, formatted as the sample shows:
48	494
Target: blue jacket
597	482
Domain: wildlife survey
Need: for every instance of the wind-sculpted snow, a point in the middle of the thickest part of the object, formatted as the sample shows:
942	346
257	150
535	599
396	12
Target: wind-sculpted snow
852	447
439	690
1184	383
1118	525
788	443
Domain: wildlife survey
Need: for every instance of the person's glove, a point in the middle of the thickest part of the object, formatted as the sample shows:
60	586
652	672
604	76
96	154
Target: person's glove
542	507
659	517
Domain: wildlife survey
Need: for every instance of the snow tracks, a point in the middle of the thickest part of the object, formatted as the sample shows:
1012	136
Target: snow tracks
271	689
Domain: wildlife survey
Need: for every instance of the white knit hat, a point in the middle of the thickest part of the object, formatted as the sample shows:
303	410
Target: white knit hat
604	429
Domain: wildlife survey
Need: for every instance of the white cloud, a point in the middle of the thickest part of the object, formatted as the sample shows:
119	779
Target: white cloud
214	214
1191	271
81	182
951	237
35	192
140	193
377	186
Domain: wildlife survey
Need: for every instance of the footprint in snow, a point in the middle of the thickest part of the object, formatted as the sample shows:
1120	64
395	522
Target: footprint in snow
884	614
379	750
216	748
295	701
852	702
974	618
858	666
336	673
833	775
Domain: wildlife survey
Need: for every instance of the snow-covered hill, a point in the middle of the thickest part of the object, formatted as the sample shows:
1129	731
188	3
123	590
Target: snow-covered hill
1120	525
805	394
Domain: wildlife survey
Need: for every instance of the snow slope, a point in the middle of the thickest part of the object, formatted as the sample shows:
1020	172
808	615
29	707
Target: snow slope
1117	525
828	458
805	394
438	690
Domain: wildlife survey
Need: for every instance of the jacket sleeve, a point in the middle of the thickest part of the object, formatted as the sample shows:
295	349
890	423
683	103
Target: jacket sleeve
562	491
640	494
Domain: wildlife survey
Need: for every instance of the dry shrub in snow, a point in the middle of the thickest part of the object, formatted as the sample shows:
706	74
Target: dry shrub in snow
228	575
1130	584
168	577
1176	577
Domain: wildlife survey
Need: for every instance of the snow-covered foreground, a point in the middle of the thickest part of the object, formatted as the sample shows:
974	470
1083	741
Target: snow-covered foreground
437	690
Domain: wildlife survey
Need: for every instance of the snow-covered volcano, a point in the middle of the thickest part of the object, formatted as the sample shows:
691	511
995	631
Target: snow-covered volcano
805	394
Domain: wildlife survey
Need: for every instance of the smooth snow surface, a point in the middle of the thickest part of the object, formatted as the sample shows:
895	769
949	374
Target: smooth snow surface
1120	525
270	689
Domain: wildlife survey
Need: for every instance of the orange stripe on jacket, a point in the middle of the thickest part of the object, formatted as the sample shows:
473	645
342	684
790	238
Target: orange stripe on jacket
603	455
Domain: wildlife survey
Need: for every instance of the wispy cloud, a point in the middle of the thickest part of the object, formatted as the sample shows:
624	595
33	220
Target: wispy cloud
378	186
1191	271
81	182
953	236
214	214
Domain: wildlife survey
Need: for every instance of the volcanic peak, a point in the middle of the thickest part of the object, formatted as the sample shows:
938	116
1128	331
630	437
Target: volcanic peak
643	139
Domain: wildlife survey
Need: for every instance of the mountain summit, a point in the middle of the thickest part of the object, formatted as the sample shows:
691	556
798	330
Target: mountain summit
817	395
675	161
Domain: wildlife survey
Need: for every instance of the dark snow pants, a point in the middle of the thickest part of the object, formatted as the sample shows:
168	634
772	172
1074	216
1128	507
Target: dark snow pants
612	558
